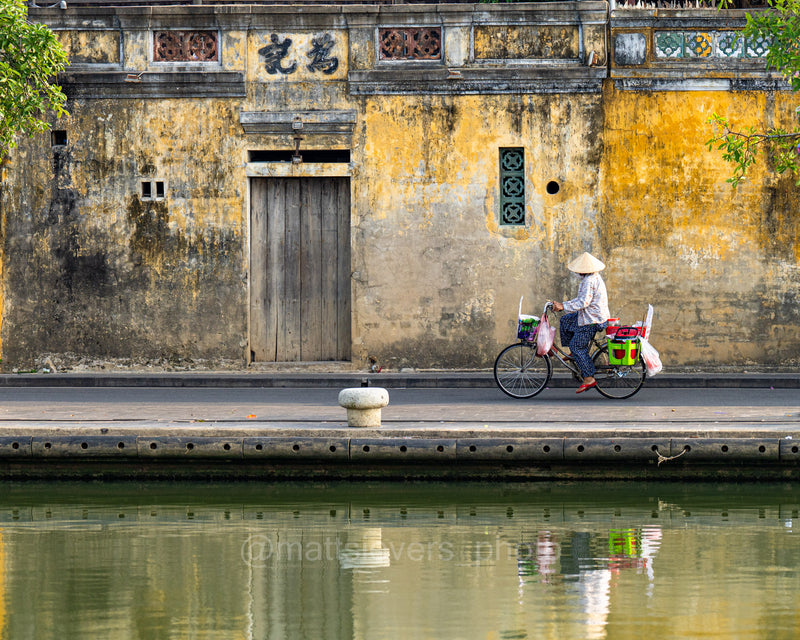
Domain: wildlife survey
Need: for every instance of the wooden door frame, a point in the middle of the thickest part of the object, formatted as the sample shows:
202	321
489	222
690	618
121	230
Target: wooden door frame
287	170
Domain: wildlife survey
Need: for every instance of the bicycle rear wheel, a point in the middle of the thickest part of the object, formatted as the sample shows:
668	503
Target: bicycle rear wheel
617	381
519	372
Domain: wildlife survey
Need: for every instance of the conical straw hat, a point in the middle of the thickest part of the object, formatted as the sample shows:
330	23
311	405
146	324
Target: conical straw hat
586	263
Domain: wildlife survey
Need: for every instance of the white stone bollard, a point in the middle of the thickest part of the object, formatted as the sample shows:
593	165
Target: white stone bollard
364	405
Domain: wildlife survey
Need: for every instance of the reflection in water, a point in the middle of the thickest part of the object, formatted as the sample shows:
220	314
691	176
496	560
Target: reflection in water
375	561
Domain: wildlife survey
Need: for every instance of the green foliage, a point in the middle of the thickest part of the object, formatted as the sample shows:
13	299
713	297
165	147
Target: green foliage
741	147
30	57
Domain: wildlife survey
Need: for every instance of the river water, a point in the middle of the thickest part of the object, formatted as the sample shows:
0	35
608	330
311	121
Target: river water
339	561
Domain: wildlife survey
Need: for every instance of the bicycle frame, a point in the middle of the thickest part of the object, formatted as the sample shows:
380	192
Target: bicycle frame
564	358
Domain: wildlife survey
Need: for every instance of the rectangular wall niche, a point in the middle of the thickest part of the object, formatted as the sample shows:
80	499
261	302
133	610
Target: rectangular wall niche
308	155
410	43
152	190
185	46
512	186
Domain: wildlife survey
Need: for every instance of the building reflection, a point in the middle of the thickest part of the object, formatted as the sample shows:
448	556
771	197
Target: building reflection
329	570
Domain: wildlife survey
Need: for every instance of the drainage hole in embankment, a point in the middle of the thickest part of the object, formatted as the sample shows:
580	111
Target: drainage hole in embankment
259	447
47	445
15	445
226	446
84	445
440	448
295	447
794	448
365	448
510	448
332	448
581	448
472	448
762	449
403	448
546	448
687	448
153	445
189	446
617	448
724	448
654	447
120	445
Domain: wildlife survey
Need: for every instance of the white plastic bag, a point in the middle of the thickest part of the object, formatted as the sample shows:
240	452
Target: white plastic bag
648	323
545	336
652	361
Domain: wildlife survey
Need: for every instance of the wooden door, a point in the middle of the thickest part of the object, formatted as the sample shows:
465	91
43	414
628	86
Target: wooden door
299	269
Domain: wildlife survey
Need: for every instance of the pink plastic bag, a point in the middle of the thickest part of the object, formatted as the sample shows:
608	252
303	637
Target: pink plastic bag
545	336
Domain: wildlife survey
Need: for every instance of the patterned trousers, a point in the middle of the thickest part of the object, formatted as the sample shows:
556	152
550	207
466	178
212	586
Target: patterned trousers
578	339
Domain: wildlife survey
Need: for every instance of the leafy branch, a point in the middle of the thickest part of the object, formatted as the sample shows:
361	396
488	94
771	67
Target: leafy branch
30	57
742	147
780	26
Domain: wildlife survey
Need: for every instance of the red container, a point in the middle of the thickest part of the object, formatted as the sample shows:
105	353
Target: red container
613	325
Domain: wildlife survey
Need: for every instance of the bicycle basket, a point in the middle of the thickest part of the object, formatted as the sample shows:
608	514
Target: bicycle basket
526	328
623	352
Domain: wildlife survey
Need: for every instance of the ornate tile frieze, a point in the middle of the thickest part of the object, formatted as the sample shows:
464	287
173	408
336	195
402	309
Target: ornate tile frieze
708	44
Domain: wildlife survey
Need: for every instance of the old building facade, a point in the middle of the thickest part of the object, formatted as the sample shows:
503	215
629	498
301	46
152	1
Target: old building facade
251	183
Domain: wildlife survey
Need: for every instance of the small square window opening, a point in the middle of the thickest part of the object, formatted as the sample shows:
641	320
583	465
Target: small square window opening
147	190
58	138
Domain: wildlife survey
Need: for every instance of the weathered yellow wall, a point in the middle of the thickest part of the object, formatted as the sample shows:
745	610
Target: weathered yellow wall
101	271
719	265
91	268
90	47
438	278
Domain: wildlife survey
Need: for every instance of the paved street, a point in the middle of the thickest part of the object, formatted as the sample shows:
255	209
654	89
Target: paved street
258	407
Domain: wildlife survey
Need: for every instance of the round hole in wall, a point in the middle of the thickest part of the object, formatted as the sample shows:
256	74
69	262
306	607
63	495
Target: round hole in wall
473	448
226	446
15	445
546	448
120	445
153	445
259	447
762	449
332	448
366	448
295	447
47	445
794	449
189	446
724	448
403	448
553	187
617	448
654	447
440	448
580	448
510	448
84	445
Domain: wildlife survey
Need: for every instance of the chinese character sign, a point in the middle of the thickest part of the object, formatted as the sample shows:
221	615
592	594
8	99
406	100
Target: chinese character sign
279	56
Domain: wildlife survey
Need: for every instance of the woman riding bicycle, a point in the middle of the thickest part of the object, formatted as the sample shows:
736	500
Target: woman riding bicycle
587	314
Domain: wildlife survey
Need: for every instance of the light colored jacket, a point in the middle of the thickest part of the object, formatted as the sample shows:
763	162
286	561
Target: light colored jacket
591	303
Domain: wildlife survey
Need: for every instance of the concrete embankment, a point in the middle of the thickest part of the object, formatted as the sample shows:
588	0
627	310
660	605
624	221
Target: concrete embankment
450	426
468	452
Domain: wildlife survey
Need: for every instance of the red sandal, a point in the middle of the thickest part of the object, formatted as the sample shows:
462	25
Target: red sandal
586	386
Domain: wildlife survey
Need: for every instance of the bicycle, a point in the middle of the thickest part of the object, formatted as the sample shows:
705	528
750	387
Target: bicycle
521	373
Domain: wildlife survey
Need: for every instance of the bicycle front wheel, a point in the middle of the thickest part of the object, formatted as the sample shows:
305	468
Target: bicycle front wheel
520	373
617	381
